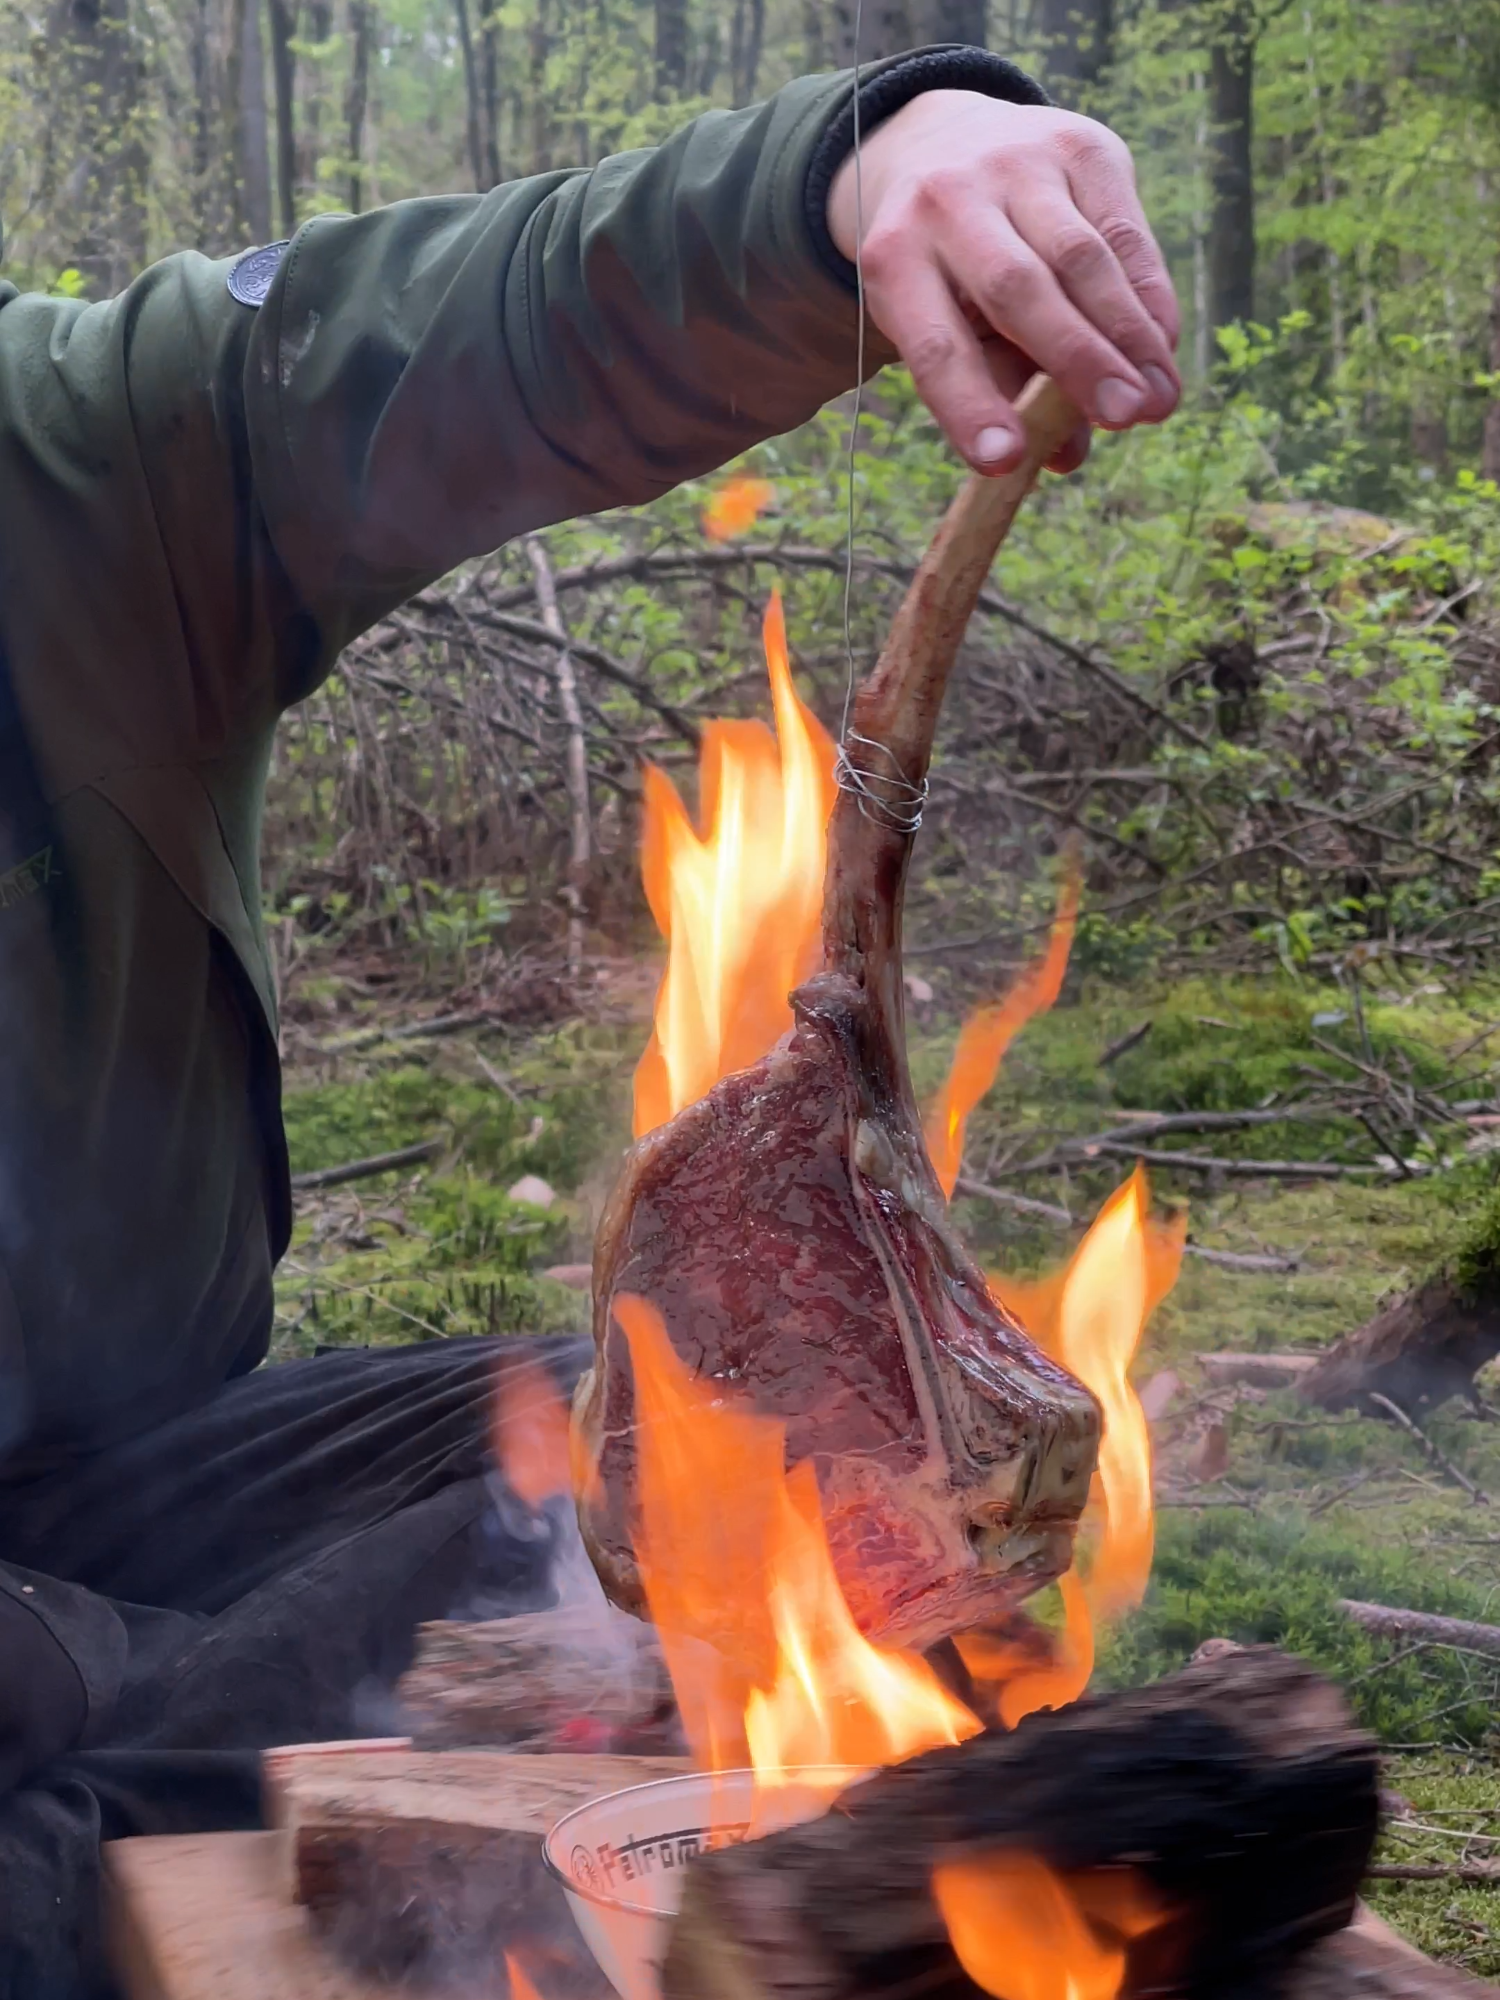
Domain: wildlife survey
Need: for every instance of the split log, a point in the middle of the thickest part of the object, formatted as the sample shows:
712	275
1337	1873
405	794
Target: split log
549	1680
1414	1628
431	1864
1418	1351
1239	1790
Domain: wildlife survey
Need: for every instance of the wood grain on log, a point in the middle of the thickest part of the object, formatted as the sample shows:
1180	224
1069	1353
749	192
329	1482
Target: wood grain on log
1419	1351
432	1860
550	1680
1239	1789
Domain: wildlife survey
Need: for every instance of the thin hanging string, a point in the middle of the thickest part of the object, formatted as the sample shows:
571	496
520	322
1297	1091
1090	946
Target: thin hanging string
884	793
859	385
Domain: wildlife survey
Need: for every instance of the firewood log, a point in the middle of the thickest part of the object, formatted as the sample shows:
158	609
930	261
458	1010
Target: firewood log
1239	1791
550	1680
419	1862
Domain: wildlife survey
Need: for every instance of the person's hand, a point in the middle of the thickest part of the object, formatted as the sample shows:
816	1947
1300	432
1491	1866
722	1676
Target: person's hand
1004	238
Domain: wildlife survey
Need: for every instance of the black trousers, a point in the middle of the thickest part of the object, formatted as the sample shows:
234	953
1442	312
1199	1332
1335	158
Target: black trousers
245	1575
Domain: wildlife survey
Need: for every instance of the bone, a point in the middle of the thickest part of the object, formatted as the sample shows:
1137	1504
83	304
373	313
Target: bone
791	1231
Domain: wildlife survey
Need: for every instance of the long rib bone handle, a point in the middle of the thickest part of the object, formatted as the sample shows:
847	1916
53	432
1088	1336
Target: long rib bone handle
898	705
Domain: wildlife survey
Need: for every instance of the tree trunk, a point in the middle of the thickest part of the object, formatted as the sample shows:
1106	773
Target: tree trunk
356	104
247	98
951	21
710	55
489	59
314	87
95	130
747	41
474	145
671	48
1203	332
1078	36
884	30
541	116
283	19
1231	106
205	124
814	35
1491	459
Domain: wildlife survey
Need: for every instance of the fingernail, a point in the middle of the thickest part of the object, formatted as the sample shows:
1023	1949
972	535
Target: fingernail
1163	388
1117	401
995	445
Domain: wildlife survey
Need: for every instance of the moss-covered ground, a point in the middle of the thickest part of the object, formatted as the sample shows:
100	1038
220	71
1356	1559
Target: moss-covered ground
1297	1508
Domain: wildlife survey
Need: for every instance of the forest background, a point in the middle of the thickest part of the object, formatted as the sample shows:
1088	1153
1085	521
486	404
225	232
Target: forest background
1246	665
1249	659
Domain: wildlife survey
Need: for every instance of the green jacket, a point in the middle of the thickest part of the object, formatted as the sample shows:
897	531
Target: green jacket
201	501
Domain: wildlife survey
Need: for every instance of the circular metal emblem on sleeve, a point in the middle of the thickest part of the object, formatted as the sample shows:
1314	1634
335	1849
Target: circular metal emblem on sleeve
250	279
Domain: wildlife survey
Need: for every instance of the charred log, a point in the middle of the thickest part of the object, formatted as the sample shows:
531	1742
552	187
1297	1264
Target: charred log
1238	1790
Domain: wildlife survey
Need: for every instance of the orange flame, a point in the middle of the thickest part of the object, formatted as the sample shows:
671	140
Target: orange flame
1023	1933
520	1987
739	904
989	1032
530	1432
735	507
765	1657
1091	1320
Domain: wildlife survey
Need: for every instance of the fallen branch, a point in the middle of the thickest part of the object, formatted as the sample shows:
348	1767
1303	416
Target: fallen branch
1024	1204
1245	1260
363	1170
408	1031
1389	1621
602	663
580	823
800	556
1049	1211
1422	1871
1257	1371
1434	1455
1207	1163
1124	1044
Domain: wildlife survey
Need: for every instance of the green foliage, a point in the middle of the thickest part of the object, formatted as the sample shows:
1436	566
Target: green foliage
1476	1258
555	1130
1277	1582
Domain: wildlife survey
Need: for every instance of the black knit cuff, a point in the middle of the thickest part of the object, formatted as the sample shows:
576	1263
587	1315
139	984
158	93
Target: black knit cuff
884	91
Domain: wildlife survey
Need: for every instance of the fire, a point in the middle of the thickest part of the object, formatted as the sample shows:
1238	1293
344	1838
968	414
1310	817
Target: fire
517	1984
530	1432
765	1657
739	904
1023	1933
989	1032
735	507
1091	1320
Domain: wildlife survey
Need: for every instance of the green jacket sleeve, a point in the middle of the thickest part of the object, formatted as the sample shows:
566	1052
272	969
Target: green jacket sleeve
430	380
254	485
426	382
